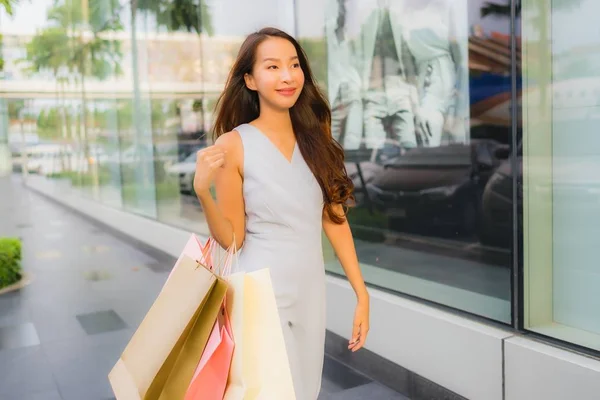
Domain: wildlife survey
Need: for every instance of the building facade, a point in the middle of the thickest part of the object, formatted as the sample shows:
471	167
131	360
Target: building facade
476	220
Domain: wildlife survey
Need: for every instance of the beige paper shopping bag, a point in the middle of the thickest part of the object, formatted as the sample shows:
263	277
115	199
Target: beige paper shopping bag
260	368
184	308
187	353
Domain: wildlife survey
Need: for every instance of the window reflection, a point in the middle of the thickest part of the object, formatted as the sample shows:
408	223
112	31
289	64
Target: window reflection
420	92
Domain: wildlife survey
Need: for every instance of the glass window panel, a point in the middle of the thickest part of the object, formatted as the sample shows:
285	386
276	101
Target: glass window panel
421	99
133	111
5	148
107	155
561	161
420	93
175	76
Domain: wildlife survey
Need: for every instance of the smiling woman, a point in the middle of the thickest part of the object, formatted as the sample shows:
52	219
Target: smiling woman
280	182
286	80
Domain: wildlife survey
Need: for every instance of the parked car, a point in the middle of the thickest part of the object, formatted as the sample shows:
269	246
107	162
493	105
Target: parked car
185	171
439	186
49	159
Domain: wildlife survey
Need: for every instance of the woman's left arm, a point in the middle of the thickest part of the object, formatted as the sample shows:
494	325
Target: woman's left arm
341	239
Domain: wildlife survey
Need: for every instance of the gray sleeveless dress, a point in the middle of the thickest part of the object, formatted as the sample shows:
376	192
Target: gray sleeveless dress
284	207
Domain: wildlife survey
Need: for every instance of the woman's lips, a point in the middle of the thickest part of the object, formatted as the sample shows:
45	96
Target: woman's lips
287	92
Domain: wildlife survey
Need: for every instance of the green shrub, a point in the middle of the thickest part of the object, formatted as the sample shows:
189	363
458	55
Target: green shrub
10	261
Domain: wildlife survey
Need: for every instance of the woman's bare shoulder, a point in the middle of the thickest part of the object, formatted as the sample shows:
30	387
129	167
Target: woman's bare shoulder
231	142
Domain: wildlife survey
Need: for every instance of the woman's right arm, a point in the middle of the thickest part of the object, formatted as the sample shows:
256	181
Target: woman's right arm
221	164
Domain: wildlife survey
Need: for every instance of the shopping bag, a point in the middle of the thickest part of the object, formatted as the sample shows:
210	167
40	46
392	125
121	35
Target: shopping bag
189	354
198	252
159	361
210	379
260	367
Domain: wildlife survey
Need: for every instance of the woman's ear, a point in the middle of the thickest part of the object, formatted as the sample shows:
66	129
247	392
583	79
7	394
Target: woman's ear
249	79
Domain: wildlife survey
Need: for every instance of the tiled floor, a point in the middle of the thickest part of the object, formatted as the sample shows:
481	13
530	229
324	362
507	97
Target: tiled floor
61	335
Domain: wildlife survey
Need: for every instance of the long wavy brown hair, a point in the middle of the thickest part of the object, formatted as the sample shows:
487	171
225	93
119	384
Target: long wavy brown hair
311	120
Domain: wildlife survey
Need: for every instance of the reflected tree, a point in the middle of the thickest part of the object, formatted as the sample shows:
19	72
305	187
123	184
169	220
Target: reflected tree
316	51
47	52
77	45
174	15
14	108
48	122
177	15
8	6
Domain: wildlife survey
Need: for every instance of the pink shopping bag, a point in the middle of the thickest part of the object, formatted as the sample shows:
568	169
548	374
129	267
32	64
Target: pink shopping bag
197	252
211	376
210	379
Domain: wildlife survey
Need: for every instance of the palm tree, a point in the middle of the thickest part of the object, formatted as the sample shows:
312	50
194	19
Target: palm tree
8	8
66	49
8	5
175	15
4	153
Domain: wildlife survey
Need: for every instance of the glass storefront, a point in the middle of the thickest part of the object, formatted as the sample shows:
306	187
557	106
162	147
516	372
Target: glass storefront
420	94
561	161
112	100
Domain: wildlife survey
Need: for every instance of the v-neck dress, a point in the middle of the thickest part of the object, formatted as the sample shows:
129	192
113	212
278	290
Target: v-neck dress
284	208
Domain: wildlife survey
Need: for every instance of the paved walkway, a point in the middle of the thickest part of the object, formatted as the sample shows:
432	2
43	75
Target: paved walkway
61	335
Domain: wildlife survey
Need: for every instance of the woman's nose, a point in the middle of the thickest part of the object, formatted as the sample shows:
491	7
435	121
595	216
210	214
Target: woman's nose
286	76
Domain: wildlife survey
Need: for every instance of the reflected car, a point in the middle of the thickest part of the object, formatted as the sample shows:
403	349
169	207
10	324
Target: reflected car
363	165
185	171
50	159
439	186
496	227
573	181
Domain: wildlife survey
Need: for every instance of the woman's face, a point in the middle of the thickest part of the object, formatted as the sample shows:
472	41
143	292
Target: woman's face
277	75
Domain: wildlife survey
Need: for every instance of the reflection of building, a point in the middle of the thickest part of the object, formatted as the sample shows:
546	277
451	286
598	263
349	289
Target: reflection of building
491	79
174	65
491	54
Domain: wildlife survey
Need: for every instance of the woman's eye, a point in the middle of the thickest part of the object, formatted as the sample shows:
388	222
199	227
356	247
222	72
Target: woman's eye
297	65
272	67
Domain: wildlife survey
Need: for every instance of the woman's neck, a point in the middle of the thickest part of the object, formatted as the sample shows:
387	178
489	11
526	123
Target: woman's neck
275	120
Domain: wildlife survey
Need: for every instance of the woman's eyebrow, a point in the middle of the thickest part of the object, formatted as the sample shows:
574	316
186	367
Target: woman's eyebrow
277	59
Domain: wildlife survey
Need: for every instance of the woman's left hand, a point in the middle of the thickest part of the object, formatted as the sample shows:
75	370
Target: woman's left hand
360	329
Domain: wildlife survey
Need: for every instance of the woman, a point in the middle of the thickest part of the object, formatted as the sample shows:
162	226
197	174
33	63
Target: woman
280	181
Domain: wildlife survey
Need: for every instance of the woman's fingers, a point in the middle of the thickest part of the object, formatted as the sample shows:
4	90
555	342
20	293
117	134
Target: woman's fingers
361	339
216	157
217	163
208	160
355	336
210	151
211	156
